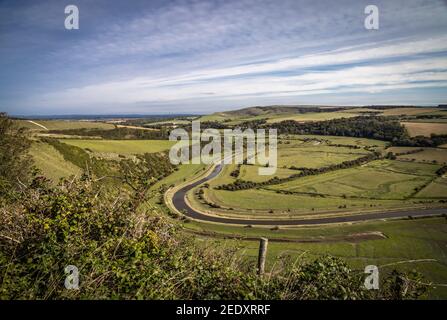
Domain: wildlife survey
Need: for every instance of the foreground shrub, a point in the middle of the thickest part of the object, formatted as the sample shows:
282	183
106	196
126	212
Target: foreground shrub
124	252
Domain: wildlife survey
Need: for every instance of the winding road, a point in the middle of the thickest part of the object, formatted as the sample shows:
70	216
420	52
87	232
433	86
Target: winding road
179	202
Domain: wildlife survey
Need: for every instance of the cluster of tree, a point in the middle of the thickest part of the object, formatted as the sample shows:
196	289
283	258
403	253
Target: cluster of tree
385	107
393	156
147	121
442	171
117	133
421	141
235	173
363	127
340	145
380	128
252	124
207	125
425	116
303	172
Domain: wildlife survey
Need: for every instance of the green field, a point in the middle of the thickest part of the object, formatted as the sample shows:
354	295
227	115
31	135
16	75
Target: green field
125	147
254	202
361	142
51	163
404	242
380	184
316	157
437	155
250	173
376	180
435	190
43	125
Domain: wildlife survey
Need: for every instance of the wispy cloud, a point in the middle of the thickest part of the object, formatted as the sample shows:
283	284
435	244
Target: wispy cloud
145	57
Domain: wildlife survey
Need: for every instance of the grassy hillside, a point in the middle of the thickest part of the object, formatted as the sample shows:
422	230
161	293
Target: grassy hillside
51	163
125	147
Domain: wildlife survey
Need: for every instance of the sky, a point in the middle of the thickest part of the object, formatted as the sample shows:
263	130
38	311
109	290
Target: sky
161	57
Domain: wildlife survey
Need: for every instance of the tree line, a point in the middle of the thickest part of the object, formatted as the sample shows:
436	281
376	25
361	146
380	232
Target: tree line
372	127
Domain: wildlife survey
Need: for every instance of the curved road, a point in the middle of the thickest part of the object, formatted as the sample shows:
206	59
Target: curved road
180	204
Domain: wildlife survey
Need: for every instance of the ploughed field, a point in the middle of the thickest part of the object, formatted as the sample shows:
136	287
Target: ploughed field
409	180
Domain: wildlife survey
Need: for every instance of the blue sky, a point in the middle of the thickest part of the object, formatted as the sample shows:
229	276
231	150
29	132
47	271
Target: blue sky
203	56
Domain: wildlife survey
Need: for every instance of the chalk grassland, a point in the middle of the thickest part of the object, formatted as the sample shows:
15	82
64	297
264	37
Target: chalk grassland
40	125
425	128
404	240
124	147
51	163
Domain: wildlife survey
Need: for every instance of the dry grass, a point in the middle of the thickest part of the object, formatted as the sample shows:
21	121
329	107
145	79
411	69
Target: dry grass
425	129
408	111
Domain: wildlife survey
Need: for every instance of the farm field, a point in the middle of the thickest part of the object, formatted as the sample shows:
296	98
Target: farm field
361	142
437	155
437	189
316	157
125	147
425	128
409	111
377	180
